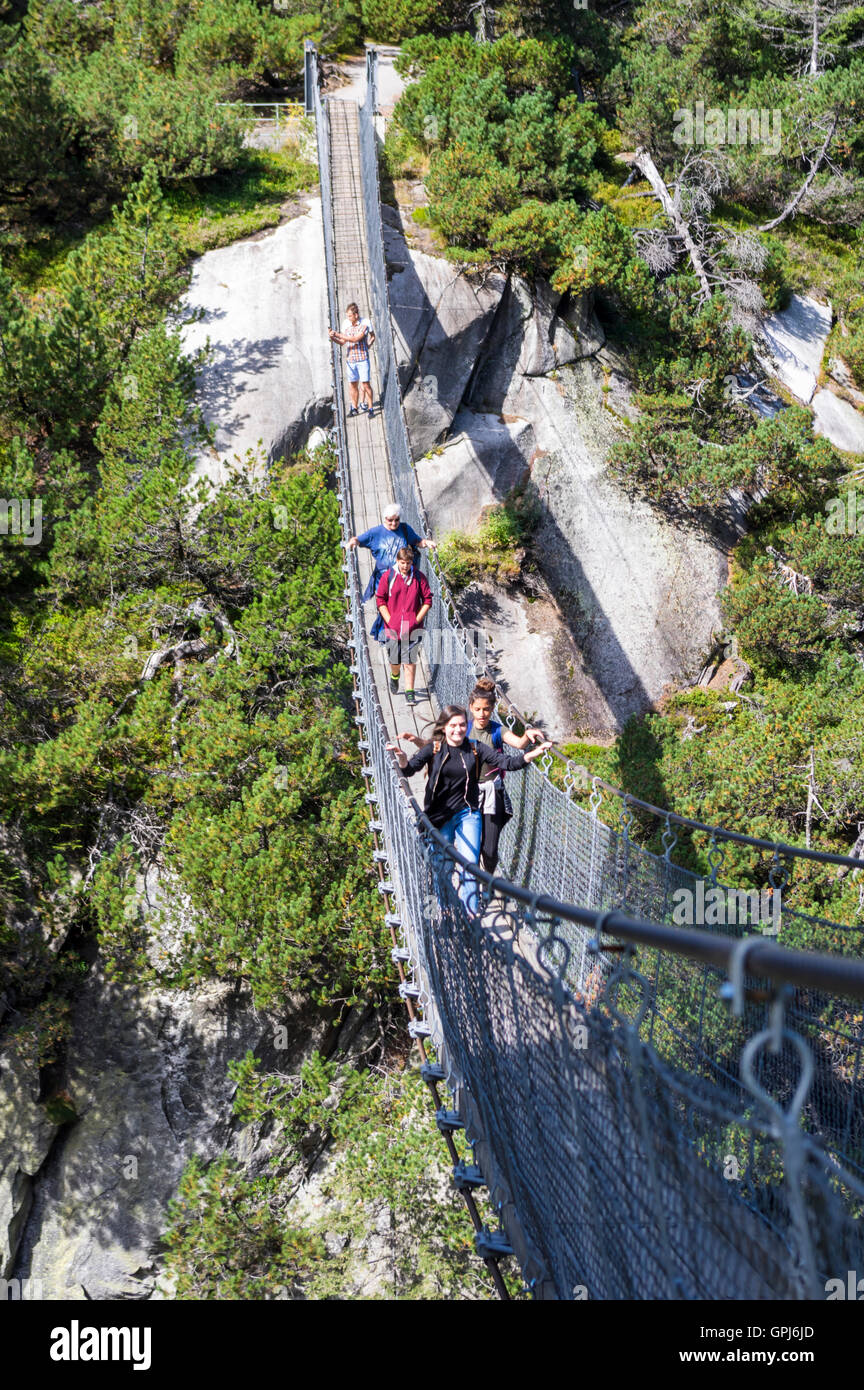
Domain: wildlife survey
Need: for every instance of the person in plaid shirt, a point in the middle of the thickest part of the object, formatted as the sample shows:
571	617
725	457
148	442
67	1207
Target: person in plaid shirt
359	336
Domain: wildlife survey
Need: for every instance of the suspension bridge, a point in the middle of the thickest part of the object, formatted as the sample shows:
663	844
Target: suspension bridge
656	1111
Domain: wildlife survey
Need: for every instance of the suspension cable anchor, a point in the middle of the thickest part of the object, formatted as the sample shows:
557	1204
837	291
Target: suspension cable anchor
432	1072
400	954
448	1120
407	990
466	1177
492	1245
418	1029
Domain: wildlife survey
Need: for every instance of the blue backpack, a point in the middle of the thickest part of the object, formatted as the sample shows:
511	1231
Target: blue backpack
497	736
497	733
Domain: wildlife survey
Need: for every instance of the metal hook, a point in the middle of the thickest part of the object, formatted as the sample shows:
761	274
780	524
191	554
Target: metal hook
733	989
777	1017
748	1056
595	945
670	838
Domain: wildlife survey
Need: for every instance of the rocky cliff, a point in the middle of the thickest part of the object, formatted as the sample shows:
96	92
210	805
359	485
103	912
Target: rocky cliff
629	599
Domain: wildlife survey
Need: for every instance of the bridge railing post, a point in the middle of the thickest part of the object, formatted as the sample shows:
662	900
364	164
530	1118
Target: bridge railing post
310	77
372	77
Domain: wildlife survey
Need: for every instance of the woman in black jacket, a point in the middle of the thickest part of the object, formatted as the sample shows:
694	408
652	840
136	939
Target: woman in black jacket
452	799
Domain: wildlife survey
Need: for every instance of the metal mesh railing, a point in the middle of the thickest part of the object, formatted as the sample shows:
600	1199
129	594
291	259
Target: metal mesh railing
648	1144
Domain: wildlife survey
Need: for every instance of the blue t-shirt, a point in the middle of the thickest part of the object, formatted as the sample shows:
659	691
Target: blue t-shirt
386	544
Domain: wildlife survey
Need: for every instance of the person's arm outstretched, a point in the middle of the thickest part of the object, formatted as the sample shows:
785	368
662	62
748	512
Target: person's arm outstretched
419	542
522	740
509	762
411	765
415	739
363	541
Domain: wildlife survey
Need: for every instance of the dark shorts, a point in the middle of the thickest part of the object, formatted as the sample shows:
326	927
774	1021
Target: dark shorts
404	650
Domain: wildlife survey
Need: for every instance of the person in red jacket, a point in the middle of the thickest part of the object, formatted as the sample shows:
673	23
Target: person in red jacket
404	598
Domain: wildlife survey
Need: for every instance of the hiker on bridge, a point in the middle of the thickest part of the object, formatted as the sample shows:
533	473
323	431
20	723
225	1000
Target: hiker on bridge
452	800
385	542
404	598
359	336
495	805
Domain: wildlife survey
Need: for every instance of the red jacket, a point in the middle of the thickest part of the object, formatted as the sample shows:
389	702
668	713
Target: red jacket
403	598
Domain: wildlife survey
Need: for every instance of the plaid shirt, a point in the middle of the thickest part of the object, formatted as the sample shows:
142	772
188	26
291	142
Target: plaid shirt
359	351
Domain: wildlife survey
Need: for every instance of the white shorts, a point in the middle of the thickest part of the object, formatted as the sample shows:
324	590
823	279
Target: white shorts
358	371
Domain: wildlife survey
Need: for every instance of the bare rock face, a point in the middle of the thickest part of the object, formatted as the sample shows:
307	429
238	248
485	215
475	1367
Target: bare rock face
636	596
483	460
795	338
26	1137
528	339
838	421
577	312
441	318
263	307
149	1085
466	339
531	654
641	592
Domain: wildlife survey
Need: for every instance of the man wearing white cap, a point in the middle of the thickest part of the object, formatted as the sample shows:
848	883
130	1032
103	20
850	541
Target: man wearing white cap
385	542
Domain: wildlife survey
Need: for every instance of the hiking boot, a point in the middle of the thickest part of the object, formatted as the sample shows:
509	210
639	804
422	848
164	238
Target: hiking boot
409	697
394	684
352	411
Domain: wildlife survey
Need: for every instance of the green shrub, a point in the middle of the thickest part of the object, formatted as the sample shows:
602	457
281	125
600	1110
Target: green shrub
391	21
496	550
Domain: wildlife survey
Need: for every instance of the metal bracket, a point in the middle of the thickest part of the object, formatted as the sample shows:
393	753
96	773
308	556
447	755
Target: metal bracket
418	1029
492	1245
448	1120
466	1177
432	1071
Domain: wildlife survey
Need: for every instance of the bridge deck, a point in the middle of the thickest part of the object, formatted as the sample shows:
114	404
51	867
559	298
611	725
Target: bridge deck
371	486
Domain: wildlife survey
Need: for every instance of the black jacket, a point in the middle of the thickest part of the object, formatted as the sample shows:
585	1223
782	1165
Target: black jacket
454	775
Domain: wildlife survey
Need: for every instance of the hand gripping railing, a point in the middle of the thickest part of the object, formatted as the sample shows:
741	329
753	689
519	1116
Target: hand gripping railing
640	1141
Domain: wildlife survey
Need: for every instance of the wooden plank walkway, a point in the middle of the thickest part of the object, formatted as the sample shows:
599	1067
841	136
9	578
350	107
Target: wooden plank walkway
370	479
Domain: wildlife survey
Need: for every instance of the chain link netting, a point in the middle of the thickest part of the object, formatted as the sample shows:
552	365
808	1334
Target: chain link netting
650	1144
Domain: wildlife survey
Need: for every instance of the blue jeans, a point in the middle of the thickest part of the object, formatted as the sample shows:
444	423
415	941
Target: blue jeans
465	832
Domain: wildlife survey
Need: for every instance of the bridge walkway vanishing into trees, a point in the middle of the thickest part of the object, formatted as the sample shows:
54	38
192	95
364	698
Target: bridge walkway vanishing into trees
639	1138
